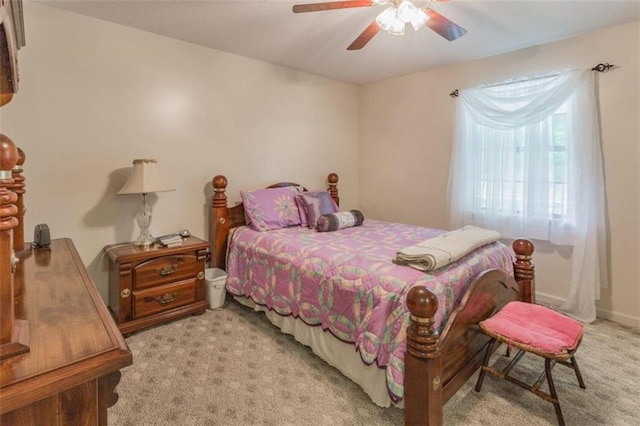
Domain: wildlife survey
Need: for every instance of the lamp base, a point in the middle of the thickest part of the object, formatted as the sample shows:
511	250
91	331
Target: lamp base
144	242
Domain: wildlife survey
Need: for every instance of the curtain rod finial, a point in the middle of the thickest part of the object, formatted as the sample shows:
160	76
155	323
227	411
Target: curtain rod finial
604	67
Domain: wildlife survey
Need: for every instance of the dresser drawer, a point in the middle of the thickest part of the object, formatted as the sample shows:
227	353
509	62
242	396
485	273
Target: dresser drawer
151	301
163	270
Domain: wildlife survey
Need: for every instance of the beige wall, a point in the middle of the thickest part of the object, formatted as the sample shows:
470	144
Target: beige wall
405	148
96	95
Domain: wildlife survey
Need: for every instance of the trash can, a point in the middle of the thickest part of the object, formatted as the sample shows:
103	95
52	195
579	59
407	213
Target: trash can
216	293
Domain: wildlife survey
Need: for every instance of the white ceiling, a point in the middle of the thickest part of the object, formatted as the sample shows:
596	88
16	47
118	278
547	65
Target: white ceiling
316	42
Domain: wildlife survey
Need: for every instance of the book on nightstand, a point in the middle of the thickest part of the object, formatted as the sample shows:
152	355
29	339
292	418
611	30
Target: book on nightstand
173	244
170	240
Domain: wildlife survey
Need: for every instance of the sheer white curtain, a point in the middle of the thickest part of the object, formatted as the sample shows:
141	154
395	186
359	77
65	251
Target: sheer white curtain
527	162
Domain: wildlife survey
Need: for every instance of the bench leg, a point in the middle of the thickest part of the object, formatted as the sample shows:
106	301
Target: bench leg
485	363
574	365
552	390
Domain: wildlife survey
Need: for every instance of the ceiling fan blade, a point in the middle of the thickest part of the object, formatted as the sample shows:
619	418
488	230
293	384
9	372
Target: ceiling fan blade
316	7
443	26
365	36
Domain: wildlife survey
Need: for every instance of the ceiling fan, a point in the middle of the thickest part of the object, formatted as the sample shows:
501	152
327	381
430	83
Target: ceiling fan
393	19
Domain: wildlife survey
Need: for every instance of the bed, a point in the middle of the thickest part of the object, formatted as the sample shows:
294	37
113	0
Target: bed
425	354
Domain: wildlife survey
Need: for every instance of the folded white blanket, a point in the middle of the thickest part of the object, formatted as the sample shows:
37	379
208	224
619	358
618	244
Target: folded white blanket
437	252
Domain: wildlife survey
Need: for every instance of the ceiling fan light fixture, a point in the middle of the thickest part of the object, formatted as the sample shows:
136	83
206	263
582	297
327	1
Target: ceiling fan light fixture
392	20
389	21
410	14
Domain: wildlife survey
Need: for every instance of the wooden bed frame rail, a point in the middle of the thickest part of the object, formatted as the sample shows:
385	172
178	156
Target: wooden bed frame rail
436	365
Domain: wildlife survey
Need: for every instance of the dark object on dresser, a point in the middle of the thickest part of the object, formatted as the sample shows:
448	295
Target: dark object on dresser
41	236
147	287
76	351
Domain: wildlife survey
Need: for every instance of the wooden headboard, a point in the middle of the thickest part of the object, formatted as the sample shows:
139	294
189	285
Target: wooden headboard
223	218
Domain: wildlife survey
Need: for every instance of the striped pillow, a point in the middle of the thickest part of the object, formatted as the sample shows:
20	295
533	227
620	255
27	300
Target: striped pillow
340	220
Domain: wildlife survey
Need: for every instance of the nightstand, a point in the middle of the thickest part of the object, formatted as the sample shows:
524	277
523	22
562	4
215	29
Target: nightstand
150	286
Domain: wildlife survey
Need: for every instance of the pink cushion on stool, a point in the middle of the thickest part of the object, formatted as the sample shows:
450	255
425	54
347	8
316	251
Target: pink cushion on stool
535	326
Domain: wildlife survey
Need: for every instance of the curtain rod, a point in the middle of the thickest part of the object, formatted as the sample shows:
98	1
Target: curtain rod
600	68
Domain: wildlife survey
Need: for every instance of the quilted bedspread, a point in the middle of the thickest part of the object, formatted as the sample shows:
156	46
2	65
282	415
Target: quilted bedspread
345	282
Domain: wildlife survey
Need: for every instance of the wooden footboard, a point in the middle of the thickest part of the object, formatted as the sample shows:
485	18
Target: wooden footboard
436	366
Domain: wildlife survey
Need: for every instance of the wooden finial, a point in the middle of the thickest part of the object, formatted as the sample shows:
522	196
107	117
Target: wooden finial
422	337
523	268
523	247
332	181
21	157
219	198
8	156
219	182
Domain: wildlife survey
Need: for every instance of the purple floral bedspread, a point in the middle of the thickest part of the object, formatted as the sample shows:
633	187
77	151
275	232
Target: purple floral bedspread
345	282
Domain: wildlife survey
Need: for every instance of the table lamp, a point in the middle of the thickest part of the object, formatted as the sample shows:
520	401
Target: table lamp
144	179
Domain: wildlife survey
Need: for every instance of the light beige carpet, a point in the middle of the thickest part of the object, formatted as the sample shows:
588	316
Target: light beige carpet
232	367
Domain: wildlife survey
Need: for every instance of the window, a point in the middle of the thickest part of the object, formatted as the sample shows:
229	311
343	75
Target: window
527	162
513	168
512	183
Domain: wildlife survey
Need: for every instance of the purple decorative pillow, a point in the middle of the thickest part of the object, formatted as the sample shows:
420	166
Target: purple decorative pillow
271	208
302	211
317	203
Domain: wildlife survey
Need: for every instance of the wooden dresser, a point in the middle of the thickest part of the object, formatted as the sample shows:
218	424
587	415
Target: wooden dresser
60	350
75	349
149	286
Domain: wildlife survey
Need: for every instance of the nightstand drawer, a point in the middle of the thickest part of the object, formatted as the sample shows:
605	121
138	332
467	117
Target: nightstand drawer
148	302
162	270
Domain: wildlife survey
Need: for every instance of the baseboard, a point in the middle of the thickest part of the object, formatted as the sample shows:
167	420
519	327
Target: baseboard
548	299
600	313
619	318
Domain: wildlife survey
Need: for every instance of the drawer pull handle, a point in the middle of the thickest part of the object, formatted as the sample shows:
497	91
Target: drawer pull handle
166	298
167	269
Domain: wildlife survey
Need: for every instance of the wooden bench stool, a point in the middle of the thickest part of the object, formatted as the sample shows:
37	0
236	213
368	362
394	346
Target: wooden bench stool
538	330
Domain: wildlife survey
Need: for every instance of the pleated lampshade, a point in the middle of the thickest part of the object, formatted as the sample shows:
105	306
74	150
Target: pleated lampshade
145	178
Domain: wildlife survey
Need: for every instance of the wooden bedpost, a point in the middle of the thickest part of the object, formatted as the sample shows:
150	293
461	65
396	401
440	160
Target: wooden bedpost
221	220
523	269
218	221
14	334
18	187
20	249
423	397
332	182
